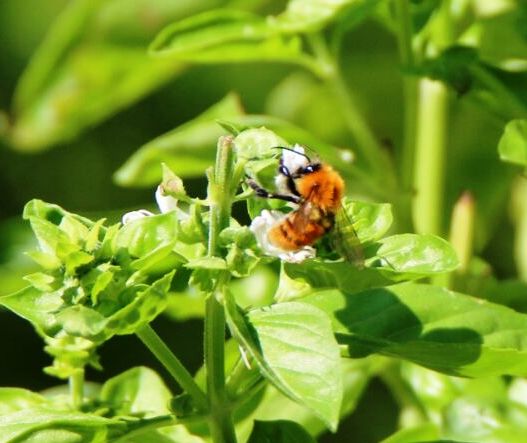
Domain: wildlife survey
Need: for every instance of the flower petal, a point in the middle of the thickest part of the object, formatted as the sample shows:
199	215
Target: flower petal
165	203
135	215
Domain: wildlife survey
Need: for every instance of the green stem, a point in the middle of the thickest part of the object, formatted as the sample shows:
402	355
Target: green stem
431	143
519	206
221	194
406	55
76	385
403	393
242	380
161	351
368	147
150	424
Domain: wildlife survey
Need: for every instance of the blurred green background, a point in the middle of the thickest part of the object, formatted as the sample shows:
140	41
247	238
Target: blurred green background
77	172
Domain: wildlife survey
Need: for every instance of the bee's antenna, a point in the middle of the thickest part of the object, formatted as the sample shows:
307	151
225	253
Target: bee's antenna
292	150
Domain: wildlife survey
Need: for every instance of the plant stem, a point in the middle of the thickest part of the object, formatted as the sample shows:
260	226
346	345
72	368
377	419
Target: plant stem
150	424
76	385
406	55
221	425
403	393
519	207
221	190
158	347
431	139
368	146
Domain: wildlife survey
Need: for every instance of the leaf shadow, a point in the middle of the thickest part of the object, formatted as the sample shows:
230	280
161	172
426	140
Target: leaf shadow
378	322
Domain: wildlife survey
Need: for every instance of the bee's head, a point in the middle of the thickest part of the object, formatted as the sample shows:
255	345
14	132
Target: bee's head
295	163
308	169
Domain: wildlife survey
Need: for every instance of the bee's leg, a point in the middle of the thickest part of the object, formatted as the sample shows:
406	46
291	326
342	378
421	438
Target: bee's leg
264	193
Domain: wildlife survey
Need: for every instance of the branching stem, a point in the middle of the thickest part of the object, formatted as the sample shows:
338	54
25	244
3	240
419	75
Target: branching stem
167	358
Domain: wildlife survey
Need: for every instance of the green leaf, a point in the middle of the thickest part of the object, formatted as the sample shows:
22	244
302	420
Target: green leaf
258	144
92	64
142	236
313	15
431	326
222	36
295	350
39	280
209	29
146	305
138	391
35	306
38	209
500	39
51	239
470	418
207	263
187	150
422	433
281	431
81	321
48	425
370	220
416	254
512	146
342	275
499	91
16	399
453	66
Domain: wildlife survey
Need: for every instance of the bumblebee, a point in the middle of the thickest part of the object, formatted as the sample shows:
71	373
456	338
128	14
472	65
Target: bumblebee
317	190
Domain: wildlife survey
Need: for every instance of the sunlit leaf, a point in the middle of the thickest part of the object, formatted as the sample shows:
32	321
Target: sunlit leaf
295	351
33	305
431	326
370	220
207	30
513	143
16	399
223	36
500	39
92	64
421	433
187	150
46	425
423	254
313	15
137	391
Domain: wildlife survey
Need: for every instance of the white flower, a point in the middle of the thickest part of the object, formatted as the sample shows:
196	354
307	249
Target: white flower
135	215
165	203
260	227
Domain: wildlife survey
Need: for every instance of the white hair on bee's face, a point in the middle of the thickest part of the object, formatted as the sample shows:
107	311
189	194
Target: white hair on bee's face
260	227
293	159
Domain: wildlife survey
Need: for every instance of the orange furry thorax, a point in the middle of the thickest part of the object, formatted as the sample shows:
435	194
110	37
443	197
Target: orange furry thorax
321	192
323	188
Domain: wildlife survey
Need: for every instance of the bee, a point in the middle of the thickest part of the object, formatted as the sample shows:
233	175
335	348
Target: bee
317	190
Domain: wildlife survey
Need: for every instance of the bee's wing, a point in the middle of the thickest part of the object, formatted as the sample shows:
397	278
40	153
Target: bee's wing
345	241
